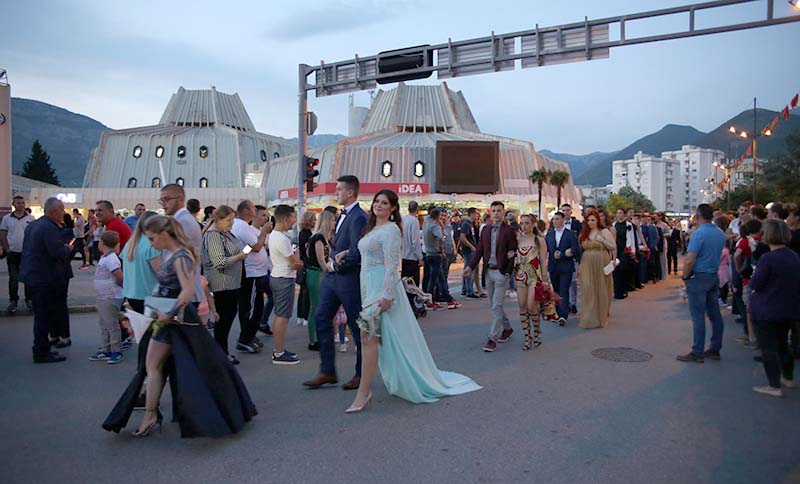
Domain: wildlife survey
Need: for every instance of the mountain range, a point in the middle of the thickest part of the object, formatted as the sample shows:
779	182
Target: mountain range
595	168
69	139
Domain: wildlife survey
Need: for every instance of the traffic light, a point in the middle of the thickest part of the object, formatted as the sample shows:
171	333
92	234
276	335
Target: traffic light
311	173
406	60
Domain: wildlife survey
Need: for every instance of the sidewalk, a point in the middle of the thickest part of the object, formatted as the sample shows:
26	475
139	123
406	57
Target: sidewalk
80	298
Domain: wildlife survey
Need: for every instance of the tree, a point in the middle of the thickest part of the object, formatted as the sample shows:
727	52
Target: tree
37	167
637	200
616	201
559	179
782	172
733	199
539	178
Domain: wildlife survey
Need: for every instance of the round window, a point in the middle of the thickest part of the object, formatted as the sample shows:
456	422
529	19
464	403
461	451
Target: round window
203	152
263	155
159	151
137	151
181	151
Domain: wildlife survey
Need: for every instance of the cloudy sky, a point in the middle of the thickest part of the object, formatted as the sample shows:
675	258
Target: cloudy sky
119	63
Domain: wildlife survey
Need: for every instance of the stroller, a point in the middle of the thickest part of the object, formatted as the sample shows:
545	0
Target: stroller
416	297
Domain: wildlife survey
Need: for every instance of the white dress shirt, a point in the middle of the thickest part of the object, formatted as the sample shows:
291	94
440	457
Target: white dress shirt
344	214
559	233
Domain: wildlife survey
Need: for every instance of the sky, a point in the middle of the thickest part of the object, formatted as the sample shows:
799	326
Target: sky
119	62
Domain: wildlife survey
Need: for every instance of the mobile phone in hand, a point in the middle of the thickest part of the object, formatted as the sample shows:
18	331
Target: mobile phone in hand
247	249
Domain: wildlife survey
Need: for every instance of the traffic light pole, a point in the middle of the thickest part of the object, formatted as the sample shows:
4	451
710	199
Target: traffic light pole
302	105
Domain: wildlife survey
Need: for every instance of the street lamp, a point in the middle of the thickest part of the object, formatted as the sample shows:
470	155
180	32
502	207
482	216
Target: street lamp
743	134
795	4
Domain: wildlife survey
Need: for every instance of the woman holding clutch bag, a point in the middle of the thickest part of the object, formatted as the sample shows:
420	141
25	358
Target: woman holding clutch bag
596	286
405	362
209	398
534	292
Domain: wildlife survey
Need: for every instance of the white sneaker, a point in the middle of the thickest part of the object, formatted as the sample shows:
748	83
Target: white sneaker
343	348
788	383
768	390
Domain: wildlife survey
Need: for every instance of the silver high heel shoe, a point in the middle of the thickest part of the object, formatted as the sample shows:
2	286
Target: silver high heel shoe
354	409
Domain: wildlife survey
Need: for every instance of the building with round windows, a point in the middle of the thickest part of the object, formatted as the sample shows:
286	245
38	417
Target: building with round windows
205	139
423	142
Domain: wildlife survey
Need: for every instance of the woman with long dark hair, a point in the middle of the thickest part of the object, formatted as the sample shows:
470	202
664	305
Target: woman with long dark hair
209	398
387	320
306	226
318	254
599	247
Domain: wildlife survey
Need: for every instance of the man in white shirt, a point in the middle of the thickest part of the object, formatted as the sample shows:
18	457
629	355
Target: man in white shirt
256	265
12	236
285	262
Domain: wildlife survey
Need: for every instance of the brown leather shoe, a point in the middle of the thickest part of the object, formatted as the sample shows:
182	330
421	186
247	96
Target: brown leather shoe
320	380
352	384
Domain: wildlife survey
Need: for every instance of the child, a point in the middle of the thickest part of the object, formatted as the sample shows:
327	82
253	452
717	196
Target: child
108	288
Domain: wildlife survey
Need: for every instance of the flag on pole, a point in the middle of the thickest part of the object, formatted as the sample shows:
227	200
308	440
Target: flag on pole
774	123
785	112
795	99
748	152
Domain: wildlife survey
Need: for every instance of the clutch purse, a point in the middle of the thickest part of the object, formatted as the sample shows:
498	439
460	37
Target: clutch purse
609	268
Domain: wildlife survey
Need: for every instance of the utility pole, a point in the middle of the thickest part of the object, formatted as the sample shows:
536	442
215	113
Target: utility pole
755	148
302	108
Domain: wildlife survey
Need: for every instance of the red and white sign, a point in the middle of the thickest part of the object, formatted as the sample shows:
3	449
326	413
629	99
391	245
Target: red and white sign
329	188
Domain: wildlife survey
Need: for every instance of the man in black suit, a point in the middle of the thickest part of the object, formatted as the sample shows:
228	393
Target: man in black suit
340	285
571	223
625	239
564	252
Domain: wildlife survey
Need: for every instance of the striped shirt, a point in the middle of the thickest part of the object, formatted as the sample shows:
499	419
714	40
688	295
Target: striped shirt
222	274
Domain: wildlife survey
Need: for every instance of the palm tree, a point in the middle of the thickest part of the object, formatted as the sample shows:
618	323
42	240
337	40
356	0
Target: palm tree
539	178
559	178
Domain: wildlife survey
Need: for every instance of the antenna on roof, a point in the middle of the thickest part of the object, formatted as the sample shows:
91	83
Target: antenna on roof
3	76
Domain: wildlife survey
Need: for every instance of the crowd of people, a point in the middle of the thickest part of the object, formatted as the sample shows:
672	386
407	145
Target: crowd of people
195	277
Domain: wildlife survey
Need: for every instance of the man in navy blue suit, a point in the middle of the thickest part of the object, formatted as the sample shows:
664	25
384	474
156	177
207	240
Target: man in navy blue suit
564	252
575	226
341	285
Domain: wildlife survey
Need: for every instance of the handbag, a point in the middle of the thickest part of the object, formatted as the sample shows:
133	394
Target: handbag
542	292
609	268
300	278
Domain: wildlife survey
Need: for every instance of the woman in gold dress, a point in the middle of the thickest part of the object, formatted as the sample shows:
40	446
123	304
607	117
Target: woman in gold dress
598	246
531	270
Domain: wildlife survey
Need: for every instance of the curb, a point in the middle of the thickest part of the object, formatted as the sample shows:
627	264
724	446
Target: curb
76	309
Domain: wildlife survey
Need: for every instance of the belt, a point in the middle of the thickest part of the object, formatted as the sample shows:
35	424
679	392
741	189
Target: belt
494	267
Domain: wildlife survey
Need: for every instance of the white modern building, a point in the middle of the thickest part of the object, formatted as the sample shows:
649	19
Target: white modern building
394	145
676	181
658	178
698	172
205	139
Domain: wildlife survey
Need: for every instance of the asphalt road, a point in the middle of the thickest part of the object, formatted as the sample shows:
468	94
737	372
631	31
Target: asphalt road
553	414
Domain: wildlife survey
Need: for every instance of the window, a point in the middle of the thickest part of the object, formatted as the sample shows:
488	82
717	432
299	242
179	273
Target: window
159	151
204	182
276	155
386	169
203	152
263	155
179	181
419	169
181	151
156	183
137	151
131	182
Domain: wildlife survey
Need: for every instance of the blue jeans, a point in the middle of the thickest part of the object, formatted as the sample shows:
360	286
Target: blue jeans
434	265
268	304
467	288
703	292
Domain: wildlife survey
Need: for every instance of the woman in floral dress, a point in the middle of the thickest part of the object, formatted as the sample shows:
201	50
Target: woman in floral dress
534	292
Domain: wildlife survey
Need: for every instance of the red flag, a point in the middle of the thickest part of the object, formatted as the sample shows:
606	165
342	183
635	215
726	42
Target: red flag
748	152
765	129
795	99
785	112
774	123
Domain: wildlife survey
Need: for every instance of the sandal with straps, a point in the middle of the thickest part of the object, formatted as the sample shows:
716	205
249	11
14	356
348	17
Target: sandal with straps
526	330
537	332
146	432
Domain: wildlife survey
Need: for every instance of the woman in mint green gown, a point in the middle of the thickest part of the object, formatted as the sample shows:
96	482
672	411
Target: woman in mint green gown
397	345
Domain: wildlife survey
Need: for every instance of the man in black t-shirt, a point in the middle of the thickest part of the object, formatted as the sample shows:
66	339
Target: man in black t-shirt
468	243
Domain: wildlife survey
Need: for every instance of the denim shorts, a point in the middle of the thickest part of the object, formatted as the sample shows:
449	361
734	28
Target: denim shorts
282	295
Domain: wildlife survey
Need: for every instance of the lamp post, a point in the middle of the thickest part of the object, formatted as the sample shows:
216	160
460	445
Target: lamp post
755	135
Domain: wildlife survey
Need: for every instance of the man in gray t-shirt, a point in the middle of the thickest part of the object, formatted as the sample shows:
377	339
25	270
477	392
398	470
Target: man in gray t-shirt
433	237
